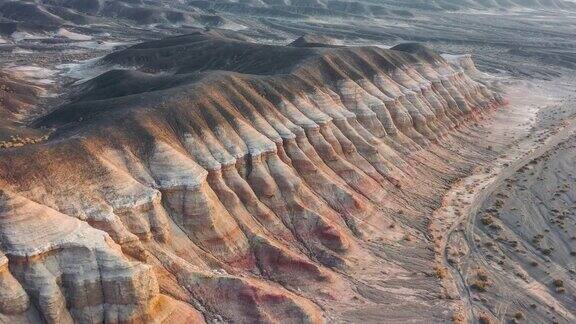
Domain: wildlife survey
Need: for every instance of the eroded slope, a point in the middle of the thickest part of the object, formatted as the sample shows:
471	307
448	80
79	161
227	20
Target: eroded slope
247	182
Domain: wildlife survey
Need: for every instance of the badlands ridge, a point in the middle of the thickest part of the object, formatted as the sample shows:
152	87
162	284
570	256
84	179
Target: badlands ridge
207	178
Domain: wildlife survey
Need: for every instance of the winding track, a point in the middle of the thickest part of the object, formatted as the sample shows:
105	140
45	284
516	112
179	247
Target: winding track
483	191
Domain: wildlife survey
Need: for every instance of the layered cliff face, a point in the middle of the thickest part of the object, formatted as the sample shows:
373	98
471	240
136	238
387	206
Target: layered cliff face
215	179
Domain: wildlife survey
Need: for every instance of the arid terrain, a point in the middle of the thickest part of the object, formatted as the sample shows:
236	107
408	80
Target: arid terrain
287	161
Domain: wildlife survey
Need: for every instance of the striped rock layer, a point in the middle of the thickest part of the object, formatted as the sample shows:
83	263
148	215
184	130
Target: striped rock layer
212	178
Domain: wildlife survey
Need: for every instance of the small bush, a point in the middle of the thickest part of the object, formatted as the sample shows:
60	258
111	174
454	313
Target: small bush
482	276
558	283
484	319
481	282
479	285
440	272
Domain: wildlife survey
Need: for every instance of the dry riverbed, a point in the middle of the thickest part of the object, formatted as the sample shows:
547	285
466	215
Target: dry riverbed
476	253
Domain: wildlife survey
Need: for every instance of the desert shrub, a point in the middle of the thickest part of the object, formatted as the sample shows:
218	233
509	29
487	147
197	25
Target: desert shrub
484	319
481	281
479	285
558	282
440	271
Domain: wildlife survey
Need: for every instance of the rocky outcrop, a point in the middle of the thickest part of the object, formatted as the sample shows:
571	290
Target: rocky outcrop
244	194
67	271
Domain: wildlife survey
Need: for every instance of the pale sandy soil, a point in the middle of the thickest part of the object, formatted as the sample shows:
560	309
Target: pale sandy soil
540	117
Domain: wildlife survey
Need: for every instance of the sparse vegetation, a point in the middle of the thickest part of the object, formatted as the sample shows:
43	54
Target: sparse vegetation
440	272
495	227
558	283
481	281
17	141
487	220
485	319
458	317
